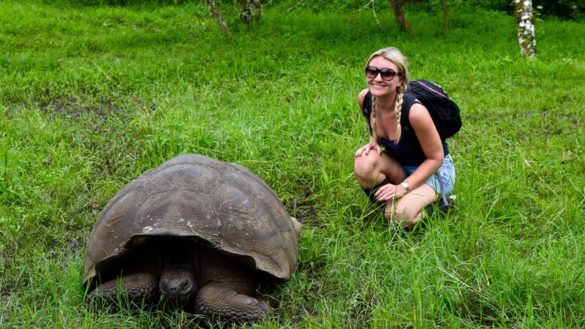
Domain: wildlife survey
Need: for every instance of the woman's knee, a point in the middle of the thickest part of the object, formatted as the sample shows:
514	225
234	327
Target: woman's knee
365	168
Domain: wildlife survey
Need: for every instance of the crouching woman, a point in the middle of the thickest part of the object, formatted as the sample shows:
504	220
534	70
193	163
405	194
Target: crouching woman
405	172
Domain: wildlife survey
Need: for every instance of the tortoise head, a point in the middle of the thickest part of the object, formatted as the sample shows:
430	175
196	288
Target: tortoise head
177	284
177	273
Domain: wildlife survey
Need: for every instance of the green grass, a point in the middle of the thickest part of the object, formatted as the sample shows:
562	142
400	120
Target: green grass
90	97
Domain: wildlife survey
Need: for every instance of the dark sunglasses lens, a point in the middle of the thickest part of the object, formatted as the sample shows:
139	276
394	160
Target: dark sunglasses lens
387	74
372	71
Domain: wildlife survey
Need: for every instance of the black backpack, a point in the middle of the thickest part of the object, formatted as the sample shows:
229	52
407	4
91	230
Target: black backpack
443	110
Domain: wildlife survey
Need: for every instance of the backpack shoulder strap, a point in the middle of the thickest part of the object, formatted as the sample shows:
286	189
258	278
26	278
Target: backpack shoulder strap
408	101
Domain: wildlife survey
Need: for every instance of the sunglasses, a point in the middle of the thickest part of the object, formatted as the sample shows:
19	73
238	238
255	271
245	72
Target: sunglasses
386	74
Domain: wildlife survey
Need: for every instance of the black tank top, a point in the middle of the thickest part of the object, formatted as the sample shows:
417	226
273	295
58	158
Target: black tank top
408	151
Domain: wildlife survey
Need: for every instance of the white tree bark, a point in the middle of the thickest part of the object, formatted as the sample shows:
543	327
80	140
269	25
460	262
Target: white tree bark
525	21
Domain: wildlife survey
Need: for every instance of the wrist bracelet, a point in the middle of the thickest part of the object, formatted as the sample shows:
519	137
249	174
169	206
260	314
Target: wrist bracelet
406	187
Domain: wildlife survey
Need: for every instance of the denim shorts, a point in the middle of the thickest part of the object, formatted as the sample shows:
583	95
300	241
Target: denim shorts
446	173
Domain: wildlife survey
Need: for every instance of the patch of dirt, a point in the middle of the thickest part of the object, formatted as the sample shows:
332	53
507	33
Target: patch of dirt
303	209
70	108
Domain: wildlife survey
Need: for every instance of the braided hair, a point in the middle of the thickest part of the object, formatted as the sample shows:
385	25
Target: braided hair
395	56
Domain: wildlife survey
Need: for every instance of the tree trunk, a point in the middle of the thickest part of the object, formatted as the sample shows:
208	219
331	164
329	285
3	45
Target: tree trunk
445	17
400	15
218	17
403	23
525	21
258	6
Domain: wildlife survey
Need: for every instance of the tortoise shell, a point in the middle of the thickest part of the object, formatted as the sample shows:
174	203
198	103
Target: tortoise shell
217	203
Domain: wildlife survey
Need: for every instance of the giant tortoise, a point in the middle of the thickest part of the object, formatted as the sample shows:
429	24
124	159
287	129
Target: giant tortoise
197	232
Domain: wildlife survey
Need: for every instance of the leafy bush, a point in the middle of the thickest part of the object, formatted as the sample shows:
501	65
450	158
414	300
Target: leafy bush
500	5
572	9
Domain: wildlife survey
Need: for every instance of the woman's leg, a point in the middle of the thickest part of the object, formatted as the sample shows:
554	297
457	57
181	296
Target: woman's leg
373	169
408	209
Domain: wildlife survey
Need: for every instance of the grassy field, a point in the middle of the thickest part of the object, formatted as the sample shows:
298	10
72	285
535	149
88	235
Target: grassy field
90	97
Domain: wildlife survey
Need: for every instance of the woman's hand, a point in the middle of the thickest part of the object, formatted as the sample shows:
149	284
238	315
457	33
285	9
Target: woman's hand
389	191
367	148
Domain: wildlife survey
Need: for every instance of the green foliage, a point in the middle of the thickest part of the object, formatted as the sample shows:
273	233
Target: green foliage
91	97
501	5
573	9
110	2
567	9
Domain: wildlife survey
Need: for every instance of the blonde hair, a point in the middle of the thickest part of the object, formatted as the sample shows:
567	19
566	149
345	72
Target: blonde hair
395	56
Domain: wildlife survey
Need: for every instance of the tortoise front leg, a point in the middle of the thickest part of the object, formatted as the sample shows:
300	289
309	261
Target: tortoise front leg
223	299
137	286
